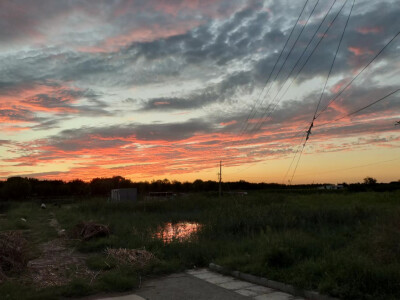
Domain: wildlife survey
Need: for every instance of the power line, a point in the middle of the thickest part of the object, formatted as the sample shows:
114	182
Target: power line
358	110
333	62
273	69
329	73
305	49
290	51
294	157
268	113
246	123
367	106
349	114
362	70
253	111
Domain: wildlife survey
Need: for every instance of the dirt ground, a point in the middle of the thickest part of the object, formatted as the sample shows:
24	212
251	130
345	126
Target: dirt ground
57	264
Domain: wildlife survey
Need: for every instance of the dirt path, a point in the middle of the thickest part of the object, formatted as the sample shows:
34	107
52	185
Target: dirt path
57	264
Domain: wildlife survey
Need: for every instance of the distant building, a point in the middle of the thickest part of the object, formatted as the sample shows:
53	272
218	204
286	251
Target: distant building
331	187
118	195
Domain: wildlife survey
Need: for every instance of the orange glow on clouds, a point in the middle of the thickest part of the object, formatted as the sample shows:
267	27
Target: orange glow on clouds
358	51
367	30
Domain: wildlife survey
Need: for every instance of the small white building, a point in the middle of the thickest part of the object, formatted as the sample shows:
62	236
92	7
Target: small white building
331	187
118	195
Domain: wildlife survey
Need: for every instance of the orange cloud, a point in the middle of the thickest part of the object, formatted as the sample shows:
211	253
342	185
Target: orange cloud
367	30
358	51
146	34
20	103
228	123
161	103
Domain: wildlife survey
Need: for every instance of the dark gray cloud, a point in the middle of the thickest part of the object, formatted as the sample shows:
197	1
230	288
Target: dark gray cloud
119	135
15	114
249	32
4	142
232	39
246	30
226	90
20	19
48	110
236	54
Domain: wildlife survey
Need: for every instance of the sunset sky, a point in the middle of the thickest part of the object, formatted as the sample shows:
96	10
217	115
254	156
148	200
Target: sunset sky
151	89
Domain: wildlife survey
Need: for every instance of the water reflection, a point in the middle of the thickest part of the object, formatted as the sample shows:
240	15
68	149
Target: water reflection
178	231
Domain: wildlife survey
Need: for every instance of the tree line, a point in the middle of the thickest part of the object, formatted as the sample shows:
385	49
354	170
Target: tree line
22	187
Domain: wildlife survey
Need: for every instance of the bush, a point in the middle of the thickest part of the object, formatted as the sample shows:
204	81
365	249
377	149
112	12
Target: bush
280	258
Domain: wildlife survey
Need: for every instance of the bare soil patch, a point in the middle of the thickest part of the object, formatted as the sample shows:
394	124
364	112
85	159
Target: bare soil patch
13	253
57	264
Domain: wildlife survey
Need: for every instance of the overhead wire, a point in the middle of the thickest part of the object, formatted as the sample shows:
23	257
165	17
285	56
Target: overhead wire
355	77
323	90
252	113
333	62
287	57
349	83
294	157
301	144
290	51
367	106
273	69
268	112
359	73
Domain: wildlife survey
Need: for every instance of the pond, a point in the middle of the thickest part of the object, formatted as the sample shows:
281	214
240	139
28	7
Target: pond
177	231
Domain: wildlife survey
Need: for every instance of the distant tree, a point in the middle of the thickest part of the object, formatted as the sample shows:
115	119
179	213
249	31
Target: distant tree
370	180
198	185
101	186
17	188
176	186
78	187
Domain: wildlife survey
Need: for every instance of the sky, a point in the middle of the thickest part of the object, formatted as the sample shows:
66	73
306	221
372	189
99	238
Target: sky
153	89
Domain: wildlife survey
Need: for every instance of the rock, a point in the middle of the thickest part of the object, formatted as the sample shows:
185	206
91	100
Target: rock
61	233
23	219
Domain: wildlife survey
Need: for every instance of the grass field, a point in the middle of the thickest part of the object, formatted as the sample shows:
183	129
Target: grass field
342	244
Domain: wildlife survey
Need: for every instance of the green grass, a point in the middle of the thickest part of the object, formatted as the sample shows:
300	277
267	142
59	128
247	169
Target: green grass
342	244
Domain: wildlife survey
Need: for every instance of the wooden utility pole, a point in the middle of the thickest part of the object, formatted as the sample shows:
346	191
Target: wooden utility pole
220	178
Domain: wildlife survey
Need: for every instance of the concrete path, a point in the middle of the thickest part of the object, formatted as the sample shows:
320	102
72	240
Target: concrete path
203	284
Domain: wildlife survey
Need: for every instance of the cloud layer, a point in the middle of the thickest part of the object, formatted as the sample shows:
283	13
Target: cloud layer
89	89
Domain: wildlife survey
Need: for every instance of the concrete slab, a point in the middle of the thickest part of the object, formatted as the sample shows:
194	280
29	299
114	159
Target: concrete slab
235	285
176	275
220	279
127	297
185	287
202	284
197	271
206	275
274	296
246	293
260	289
253	291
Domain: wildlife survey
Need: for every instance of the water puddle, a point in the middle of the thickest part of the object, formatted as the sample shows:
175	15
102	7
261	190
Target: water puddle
177	231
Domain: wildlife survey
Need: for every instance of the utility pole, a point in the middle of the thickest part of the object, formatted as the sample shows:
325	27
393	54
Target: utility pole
220	178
